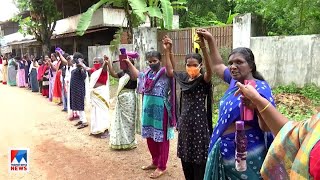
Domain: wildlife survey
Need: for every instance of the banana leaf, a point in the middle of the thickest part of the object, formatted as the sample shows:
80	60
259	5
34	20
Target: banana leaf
230	18
180	7
139	7
86	17
154	11
167	13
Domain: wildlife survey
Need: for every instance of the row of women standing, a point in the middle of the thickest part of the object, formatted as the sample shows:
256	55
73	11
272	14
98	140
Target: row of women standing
201	157
15	70
194	123
292	155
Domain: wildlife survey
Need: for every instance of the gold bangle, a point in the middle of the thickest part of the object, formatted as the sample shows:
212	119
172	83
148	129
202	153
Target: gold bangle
265	108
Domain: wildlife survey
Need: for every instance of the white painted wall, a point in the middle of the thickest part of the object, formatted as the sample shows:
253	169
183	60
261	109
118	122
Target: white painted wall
100	51
286	59
242	31
103	17
144	40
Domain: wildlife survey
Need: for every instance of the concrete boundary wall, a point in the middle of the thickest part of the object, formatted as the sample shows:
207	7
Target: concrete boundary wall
286	59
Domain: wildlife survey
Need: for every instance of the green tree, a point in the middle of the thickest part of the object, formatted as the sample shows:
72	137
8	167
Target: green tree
205	13
40	21
282	17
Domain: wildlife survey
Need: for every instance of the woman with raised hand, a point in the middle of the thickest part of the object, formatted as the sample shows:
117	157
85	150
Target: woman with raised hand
221	159
123	126
195	119
158	110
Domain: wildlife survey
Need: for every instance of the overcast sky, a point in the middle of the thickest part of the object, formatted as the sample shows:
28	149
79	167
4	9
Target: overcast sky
7	9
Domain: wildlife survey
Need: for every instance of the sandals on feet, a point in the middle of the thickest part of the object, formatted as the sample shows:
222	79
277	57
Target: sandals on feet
83	125
157	173
150	167
78	123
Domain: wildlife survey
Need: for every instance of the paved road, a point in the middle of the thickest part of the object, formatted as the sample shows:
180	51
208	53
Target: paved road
60	151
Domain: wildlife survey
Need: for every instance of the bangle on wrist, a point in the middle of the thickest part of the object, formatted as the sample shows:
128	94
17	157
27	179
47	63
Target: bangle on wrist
266	107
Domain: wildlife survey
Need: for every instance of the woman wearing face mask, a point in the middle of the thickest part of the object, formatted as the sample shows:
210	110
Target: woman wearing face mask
195	120
158	110
221	159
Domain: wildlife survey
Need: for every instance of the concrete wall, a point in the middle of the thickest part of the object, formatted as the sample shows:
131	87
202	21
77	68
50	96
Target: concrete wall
242	31
100	51
103	17
144	40
286	59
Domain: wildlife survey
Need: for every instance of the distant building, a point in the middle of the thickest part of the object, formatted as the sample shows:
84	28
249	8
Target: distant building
105	22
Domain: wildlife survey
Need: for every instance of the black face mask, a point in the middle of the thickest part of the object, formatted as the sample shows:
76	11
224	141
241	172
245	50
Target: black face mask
155	67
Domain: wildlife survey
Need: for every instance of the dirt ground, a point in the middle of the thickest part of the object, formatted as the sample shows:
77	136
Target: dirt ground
60	151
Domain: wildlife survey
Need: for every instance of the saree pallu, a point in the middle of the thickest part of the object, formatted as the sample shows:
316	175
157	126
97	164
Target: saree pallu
100	110
123	128
158	96
221	163
33	80
230	112
289	154
57	88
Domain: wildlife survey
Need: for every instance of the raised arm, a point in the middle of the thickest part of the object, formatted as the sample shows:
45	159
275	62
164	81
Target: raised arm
207	60
63	60
169	62
109	65
54	67
217	62
132	69
269	114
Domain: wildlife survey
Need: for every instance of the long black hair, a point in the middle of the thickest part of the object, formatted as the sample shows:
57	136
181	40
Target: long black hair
151	54
196	56
249	57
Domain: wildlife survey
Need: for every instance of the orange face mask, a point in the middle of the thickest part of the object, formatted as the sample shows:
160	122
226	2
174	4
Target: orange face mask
193	71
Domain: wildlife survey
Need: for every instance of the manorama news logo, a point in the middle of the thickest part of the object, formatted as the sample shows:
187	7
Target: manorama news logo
19	160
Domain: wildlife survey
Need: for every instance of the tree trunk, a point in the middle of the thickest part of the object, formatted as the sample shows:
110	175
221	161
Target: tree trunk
45	37
45	49
46	44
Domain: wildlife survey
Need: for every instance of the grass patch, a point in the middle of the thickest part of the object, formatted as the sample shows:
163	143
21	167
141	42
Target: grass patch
297	103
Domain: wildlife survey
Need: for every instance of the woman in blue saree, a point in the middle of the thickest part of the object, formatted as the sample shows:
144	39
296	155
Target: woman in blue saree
221	158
